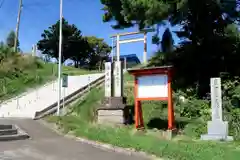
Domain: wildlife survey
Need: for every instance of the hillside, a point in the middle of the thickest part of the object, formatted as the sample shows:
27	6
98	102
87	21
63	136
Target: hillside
80	121
19	73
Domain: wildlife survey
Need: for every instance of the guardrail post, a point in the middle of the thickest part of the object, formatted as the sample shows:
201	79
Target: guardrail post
63	97
18	103
89	83
37	96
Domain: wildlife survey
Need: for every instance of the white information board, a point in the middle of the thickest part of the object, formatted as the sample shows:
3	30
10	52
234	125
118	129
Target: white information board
153	86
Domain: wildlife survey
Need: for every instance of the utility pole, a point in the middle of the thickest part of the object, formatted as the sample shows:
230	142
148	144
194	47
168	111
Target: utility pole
60	59
18	24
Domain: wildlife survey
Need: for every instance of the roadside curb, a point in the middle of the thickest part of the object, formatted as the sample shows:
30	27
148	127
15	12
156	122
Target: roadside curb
100	145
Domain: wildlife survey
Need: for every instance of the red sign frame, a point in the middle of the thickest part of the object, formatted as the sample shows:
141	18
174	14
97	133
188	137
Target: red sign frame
165	70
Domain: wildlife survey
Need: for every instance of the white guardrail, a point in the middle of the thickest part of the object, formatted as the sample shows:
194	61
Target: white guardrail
43	100
70	98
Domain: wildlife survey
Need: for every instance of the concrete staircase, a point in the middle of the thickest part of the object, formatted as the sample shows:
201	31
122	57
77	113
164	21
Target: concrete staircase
10	132
28	104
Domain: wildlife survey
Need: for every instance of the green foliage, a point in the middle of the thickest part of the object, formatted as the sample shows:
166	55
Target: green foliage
72	39
87	107
99	51
82	50
19	72
195	108
79	122
11	40
5	52
203	28
127	13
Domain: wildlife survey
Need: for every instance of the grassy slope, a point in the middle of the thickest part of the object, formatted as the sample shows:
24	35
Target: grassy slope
20	73
80	122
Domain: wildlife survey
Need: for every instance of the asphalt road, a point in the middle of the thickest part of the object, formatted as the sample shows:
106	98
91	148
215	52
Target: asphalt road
45	144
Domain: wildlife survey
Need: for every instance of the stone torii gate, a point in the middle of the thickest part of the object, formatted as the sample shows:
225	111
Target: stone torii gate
114	108
131	40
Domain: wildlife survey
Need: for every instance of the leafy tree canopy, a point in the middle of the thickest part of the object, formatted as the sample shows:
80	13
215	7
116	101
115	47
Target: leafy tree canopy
100	50
146	13
72	39
210	46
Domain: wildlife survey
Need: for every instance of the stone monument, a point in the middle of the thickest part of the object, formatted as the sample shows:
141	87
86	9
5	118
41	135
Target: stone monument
217	128
113	108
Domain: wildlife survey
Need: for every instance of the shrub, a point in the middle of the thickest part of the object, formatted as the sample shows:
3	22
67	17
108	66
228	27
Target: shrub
195	108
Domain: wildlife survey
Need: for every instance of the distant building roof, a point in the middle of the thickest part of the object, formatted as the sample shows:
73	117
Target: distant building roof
129	57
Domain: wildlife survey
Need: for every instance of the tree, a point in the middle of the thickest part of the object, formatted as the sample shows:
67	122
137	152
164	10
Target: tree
206	48
99	53
2	44
144	13
10	40
167	41
72	39
81	52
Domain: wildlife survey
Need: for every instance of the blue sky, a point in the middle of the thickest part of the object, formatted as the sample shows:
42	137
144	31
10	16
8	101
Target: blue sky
38	15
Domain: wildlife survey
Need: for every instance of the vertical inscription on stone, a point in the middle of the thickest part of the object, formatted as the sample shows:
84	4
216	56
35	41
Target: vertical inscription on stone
216	99
118	79
108	81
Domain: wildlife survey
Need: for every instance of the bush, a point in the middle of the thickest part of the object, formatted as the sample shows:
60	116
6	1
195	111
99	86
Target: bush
233	119
6	52
195	108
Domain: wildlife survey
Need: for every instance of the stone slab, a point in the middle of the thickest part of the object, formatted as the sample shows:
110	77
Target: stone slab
108	79
110	113
111	119
118	79
217	128
216	99
213	137
114	103
111	116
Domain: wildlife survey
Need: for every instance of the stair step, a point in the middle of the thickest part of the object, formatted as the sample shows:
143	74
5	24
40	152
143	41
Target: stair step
15	133
8	132
13	137
5	126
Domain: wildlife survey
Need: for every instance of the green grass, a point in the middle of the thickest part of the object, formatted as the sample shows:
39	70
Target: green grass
20	73
80	121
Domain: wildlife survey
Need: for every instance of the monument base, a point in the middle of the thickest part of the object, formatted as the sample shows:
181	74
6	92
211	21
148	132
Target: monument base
113	110
114	102
217	130
169	134
208	137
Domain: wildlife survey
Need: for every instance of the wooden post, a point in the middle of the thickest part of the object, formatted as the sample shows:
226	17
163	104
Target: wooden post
136	103
140	115
170	105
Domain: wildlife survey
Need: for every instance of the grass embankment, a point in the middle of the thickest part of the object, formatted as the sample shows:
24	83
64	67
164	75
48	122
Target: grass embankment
80	122
19	73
